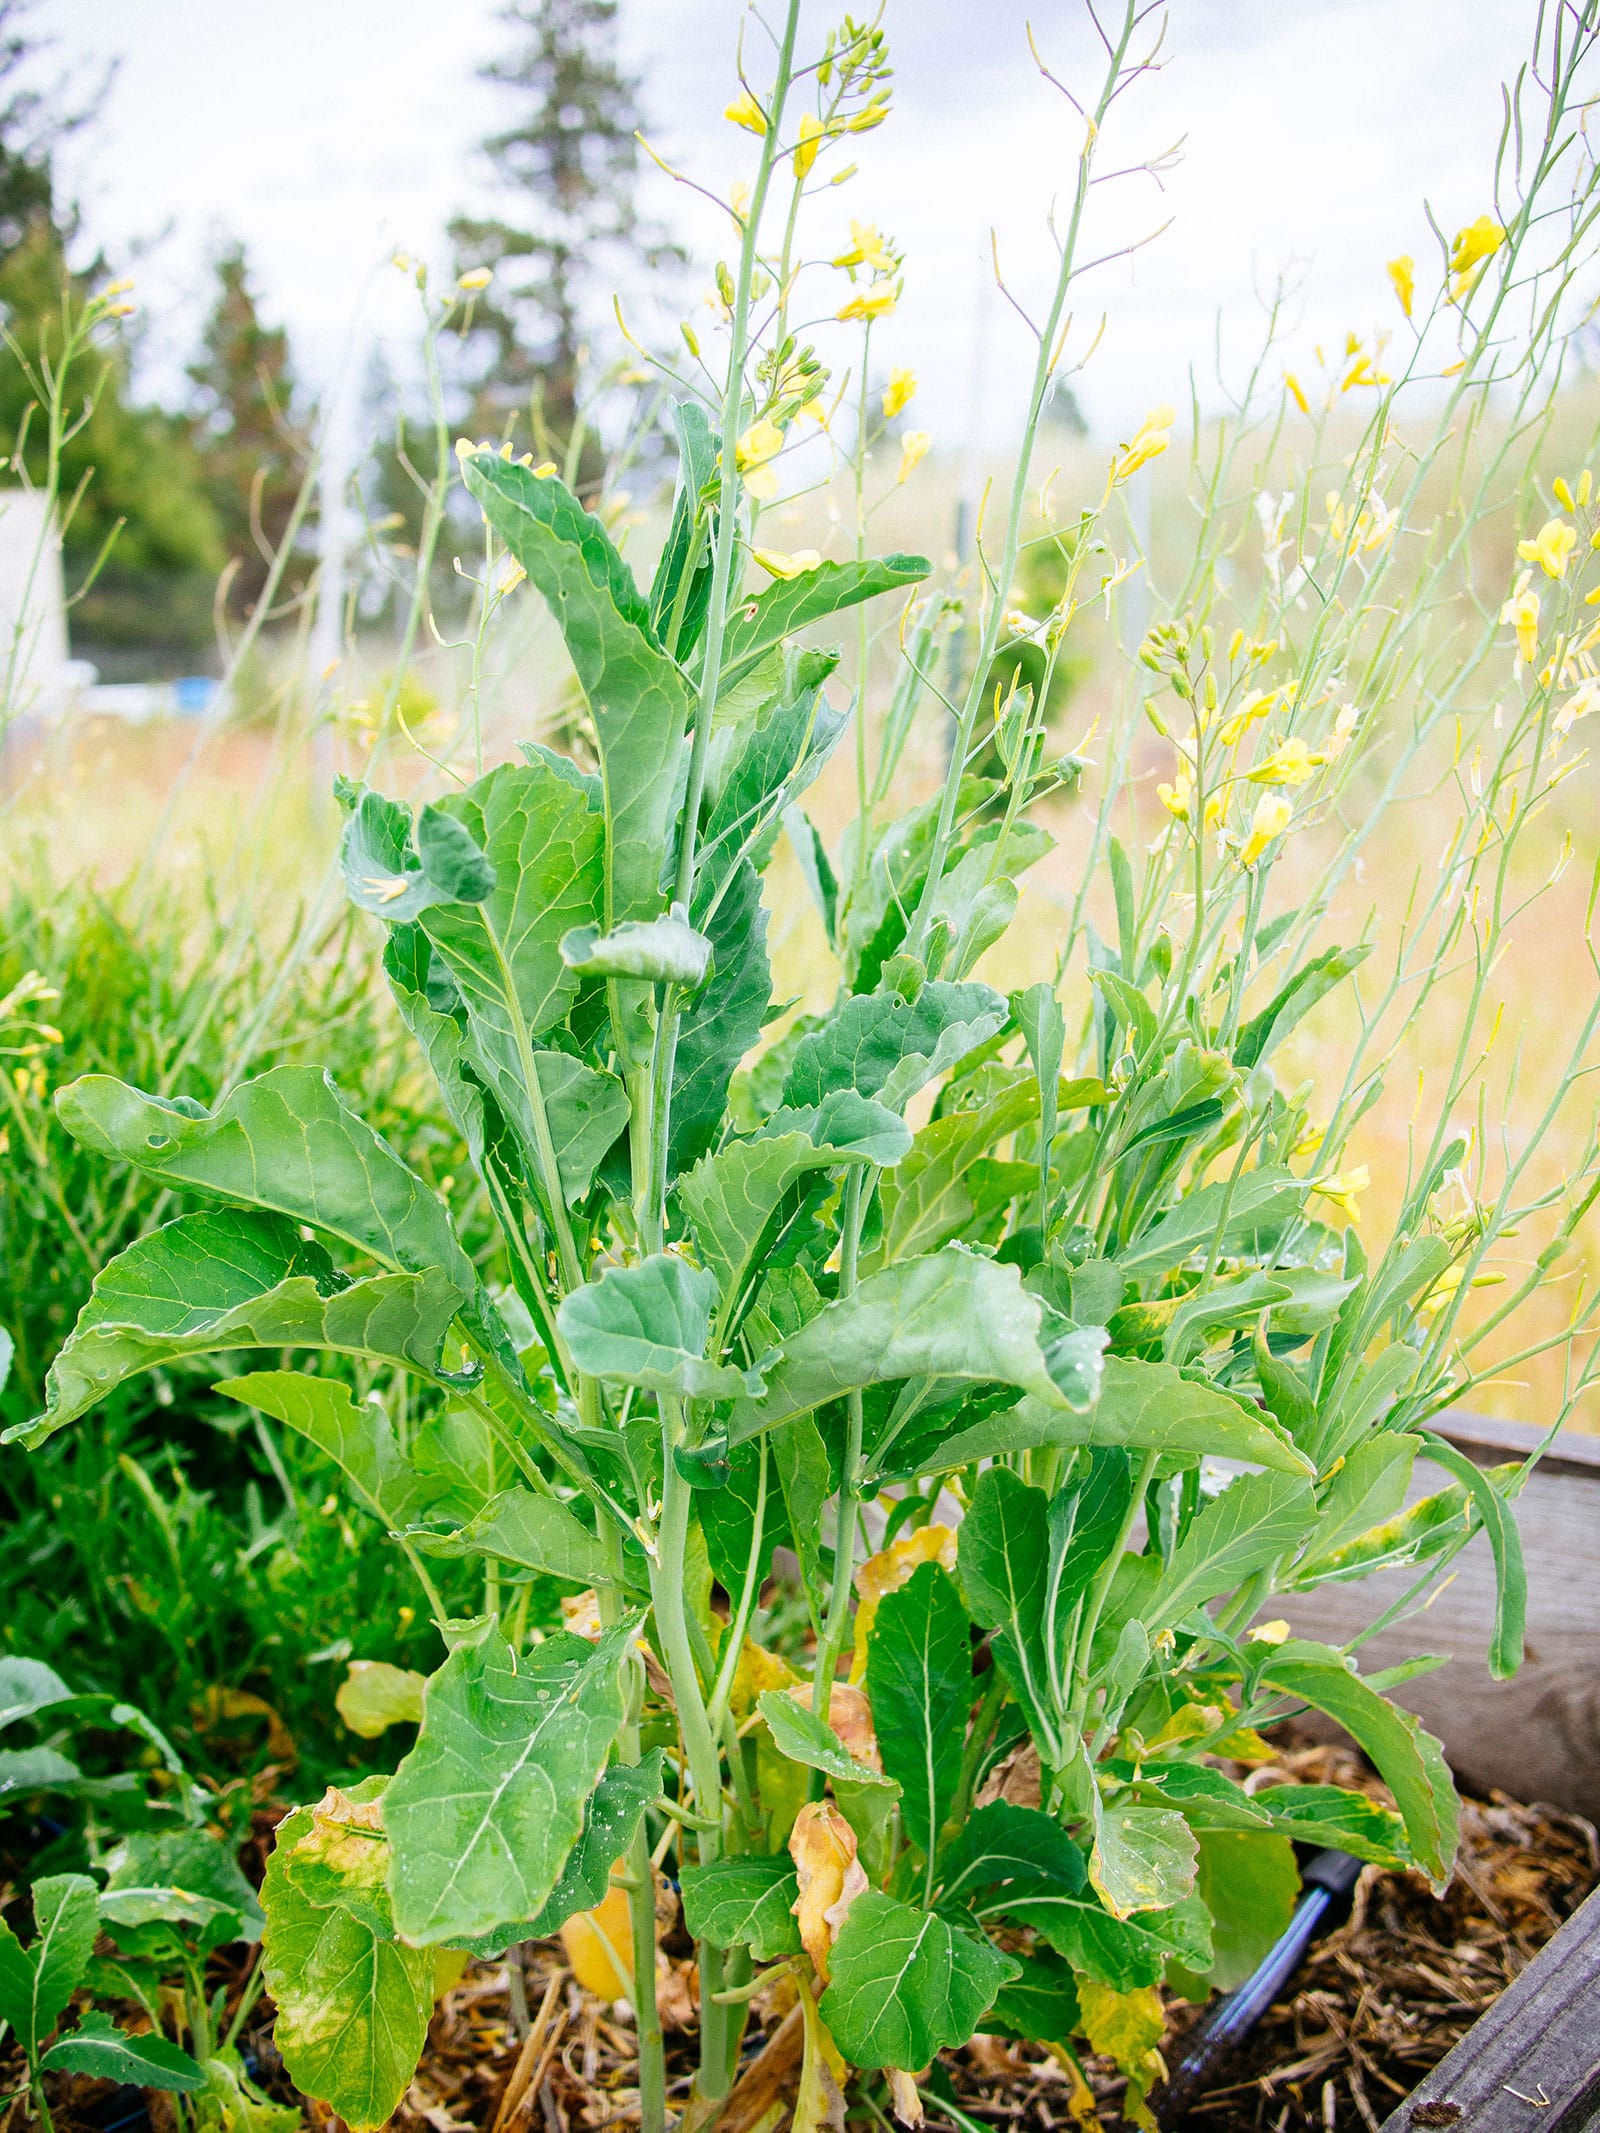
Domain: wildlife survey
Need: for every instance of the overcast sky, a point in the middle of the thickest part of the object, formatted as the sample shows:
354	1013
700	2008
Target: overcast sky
325	133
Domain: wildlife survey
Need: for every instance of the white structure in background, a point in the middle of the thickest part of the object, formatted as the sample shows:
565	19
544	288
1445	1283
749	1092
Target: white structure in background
37	674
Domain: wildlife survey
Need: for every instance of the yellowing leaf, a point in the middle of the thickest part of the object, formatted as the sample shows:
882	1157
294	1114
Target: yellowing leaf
823	1847
850	1715
1127	2027
758	1670
888	1570
375	1695
819	2100
599	1946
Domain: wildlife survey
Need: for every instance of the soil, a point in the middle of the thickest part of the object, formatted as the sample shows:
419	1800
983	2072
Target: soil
1377	2003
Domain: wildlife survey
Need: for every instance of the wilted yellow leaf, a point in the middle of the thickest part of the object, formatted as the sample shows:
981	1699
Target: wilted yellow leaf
823	1847
599	1946
375	1695
850	1716
888	1570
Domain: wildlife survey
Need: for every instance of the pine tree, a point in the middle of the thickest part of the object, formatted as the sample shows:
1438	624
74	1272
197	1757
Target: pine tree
251	433
571	153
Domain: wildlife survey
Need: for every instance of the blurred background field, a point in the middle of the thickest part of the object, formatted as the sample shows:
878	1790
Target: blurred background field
272	584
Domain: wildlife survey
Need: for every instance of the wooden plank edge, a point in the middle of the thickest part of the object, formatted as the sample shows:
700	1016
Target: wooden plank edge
1533	2060
1489	1441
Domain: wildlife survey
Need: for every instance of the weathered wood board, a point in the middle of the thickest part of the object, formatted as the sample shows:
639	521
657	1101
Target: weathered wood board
1537	1736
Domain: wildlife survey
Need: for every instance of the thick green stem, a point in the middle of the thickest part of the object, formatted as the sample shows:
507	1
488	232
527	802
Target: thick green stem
641	1888
844	1537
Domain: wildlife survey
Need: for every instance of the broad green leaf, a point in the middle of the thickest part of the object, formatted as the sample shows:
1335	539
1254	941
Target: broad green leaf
37	1982
1039	1015
805	1738
879	907
1232	1206
287	1142
905	1984
41	1770
1002	1847
148	2061
928	1199
728	1516
1088	1520
234	1279
746	1902
375	1696
1004	1556
190	1859
1249	1882
484	1810
811	856
1125	1953
789	604
725	1019
769	762
432	1009
637	695
1143	1858
977	895
1510	1573
648	1325
353	2003
1329	1815
1257	1519
169	1906
396	875
587	1110
359	1440
807	1478
682	583
1408	1759
26	1686
882	1045
1041	2003
1145	1406
534	1532
1295	999
952	1315
609	1822
919	1682
1368	1489
662	951
1433	1525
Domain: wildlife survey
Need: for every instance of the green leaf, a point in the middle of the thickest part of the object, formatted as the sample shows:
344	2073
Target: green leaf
789	604
1145	1406
770	761
1510	1573
1143	1858
1004	1847
1369	1488
1040	1017
1249	1882
99	2049
811	856
919	1683
725	1019
905	1984
588	1111
1004	1552
287	1142
663	951
37	1982
359	1440
190	1859
40	1770
486	1807
396	878
648	1325
234	1280
353	2003
375	1696
883	1045
1256	1519
745	1902
805	1738
638	697
1228	1210
952	1315
1328	1815
1040	2004
609	1822
697	464
929	1200
534	1532
1294	1000
1124	1953
26	1686
1408	1759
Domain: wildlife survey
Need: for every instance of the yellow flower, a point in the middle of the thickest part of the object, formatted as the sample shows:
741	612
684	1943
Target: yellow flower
868	248
1149	441
1256	705
899	392
1340	1187
913	450
1522	612
1291	763
478	278
872	113
1271	818
762	441
1344	727
778	565
1298	391
1277	1632
746	112
811	139
1584	700
1178	800
1551	547
876	302
1479	241
1563	493
1402	275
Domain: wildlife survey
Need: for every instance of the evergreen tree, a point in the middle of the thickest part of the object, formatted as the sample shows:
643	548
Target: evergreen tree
252	437
572	157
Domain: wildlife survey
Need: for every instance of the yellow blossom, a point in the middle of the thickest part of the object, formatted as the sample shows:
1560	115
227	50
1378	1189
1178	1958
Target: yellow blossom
1340	1187
1583	700
1291	763
875	302
1343	733
1271	818
1522	612
913	450
1362	371
1402	276
746	112
478	278
1178	800
811	138
868	248
899	392
1563	493
1448	1286
1256	705
1479	241
762	441
1551	547
1270	1633
1298	391
778	565
1149	441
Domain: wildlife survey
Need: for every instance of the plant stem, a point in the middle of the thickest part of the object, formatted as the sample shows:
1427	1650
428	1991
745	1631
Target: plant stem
844	1536
642	1884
